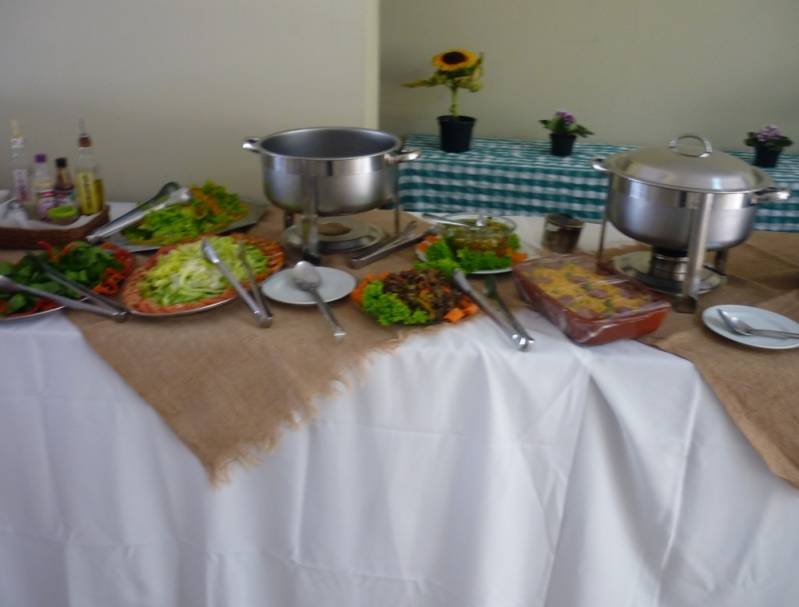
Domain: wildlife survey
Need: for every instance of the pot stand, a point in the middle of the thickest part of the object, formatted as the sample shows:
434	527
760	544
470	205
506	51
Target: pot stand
701	207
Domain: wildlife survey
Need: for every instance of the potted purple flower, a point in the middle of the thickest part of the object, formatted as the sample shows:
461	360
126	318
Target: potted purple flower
564	130
768	143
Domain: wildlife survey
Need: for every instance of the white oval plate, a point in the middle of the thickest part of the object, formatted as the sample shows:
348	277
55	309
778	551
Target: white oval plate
758	318
335	285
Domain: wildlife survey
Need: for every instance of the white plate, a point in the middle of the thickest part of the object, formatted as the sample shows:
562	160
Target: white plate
335	285
525	247
760	319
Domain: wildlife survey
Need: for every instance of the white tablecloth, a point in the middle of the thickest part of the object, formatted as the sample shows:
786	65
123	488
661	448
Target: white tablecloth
458	473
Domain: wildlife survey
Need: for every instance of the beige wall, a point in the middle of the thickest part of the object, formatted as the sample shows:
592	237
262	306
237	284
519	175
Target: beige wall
169	89
634	71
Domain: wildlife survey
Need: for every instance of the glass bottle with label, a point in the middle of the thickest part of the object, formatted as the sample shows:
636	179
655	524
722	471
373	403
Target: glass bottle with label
42	186
89	186
20	170
64	187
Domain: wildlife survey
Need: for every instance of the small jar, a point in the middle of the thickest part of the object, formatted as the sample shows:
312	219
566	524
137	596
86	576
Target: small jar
561	232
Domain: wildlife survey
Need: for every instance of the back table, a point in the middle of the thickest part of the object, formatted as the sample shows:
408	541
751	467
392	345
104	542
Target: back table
521	177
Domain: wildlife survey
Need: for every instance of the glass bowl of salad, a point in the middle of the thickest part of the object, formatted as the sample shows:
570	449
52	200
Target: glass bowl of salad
495	235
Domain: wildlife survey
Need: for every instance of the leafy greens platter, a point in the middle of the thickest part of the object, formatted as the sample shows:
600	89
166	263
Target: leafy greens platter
412	297
178	280
101	267
211	210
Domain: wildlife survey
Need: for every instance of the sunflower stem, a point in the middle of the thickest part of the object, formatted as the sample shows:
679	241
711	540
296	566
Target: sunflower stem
453	108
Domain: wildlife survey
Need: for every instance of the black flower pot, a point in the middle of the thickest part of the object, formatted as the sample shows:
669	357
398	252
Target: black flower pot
766	157
561	145
456	132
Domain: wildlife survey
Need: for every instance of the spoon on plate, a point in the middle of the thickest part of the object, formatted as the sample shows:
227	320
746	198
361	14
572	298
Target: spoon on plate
307	278
736	325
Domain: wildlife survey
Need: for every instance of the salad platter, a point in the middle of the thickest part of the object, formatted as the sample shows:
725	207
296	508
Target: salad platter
178	280
211	210
101	268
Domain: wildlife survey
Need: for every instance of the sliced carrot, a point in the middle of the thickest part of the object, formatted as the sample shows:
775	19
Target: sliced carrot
517	256
470	309
454	315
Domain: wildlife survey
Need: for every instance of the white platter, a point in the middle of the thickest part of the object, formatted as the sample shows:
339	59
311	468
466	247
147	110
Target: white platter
335	285
756	317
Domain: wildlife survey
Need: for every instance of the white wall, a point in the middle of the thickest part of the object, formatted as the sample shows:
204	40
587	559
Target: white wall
169	88
634	71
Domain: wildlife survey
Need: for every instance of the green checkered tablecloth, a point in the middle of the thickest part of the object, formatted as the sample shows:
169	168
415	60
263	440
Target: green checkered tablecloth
520	177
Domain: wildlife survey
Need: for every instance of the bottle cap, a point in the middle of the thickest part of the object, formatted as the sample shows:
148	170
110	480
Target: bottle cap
61	163
40	158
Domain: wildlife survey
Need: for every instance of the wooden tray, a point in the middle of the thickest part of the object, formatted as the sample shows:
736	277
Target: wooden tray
20	238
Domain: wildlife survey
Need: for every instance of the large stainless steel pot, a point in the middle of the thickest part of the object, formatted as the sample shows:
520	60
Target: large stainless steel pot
655	194
329	170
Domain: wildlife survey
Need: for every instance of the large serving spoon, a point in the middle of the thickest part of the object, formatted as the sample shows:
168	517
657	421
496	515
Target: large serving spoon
307	278
736	325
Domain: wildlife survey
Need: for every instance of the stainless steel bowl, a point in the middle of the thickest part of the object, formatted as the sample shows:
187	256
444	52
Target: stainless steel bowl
330	170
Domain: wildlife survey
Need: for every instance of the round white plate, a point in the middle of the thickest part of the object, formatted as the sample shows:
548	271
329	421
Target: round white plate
335	285
760	319
532	253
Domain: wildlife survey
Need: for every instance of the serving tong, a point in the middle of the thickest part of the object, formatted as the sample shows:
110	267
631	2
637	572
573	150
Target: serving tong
509	325
407	237
170	194
100	304
258	307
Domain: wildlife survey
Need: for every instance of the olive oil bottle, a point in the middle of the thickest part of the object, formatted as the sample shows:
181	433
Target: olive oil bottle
88	184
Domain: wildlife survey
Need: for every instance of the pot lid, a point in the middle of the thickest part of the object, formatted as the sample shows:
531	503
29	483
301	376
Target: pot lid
688	167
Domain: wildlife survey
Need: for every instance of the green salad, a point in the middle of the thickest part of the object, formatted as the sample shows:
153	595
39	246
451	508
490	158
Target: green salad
446	256
211	208
183	275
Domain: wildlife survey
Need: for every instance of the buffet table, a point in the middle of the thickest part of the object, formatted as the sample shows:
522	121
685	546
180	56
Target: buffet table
521	177
455	471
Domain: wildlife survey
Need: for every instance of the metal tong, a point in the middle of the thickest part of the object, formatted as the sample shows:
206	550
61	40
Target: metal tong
406	238
520	339
101	305
263	317
171	193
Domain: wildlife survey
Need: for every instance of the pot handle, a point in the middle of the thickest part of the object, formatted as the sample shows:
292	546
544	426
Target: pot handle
705	143
251	144
598	162
402	156
771	194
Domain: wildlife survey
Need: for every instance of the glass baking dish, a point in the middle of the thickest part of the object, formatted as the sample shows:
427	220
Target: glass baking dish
591	307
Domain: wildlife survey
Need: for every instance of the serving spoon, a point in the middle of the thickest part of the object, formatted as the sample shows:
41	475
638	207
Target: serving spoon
736	325
307	278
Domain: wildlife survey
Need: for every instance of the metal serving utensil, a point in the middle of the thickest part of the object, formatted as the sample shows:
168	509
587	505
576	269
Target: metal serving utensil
9	286
307	277
97	298
262	319
522	342
170	194
406	238
478	225
254	287
490	289
736	325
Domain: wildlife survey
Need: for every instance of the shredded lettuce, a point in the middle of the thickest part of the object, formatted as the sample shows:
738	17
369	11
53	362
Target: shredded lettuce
184	275
441	256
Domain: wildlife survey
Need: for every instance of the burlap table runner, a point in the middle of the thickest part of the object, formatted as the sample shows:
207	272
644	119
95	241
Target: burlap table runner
226	388
758	388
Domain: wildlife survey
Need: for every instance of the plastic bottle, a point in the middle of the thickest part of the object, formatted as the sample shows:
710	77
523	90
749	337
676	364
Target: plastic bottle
89	186
42	186
20	169
64	187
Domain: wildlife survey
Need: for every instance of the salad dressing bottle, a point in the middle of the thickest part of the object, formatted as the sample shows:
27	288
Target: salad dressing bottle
88	183
20	170
43	190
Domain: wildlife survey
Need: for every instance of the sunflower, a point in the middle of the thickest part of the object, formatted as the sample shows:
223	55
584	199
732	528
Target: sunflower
455	59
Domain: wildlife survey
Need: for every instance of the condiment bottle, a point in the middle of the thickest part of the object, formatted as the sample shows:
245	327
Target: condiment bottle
20	169
64	187
89	185
42	185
